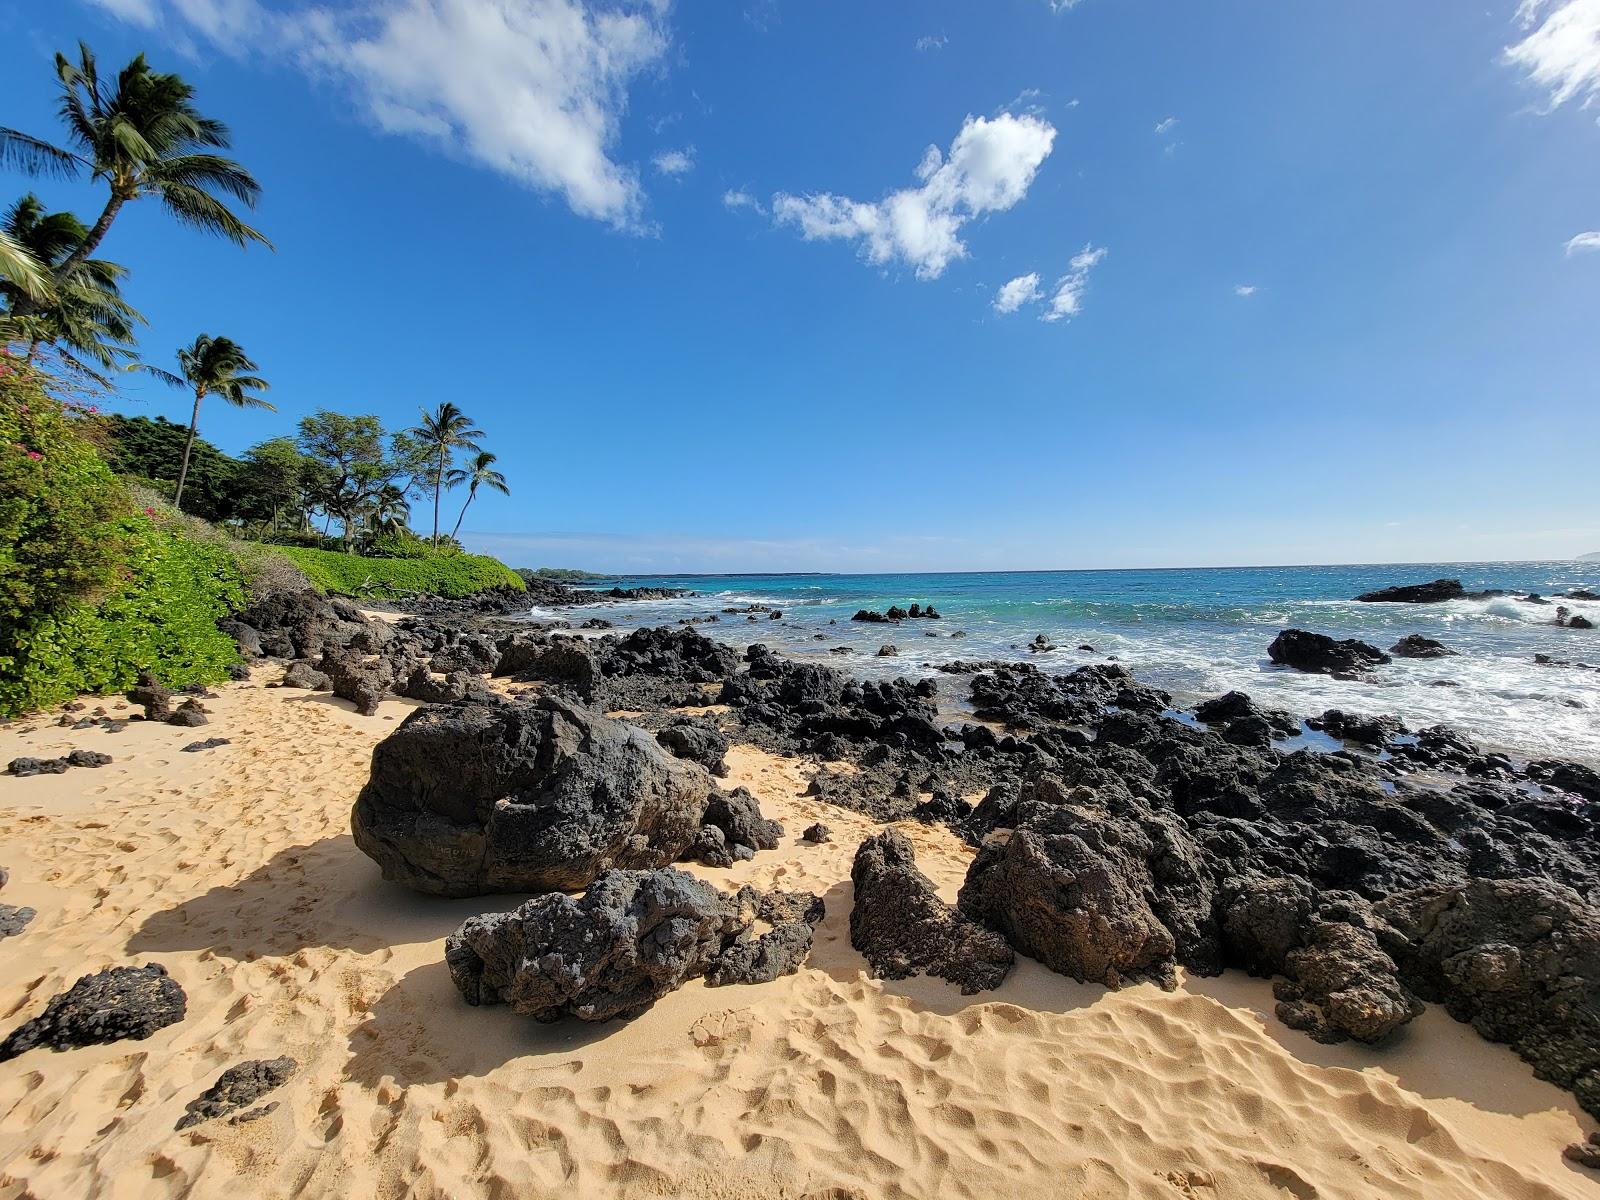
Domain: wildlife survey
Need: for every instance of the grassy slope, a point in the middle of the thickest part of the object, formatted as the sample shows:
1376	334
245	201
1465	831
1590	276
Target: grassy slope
450	575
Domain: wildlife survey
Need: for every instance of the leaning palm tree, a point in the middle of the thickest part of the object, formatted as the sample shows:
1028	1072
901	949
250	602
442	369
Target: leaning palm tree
85	316
479	472
213	366
143	136
444	430
389	511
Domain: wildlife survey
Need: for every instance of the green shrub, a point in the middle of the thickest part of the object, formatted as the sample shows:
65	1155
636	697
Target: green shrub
163	618
60	506
449	575
92	591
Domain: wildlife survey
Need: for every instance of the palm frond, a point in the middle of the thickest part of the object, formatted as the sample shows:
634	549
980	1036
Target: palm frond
210	171
35	156
166	377
199	210
23	271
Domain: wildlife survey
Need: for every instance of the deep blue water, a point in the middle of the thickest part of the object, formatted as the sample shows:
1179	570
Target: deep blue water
1201	631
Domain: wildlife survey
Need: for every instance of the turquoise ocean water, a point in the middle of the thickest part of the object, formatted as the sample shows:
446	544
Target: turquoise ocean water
1198	632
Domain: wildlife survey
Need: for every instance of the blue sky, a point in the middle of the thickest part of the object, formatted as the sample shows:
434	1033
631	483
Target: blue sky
1319	273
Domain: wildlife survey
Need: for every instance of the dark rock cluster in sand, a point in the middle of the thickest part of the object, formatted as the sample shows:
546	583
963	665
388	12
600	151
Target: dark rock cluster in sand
13	919
631	938
236	1089
108	1006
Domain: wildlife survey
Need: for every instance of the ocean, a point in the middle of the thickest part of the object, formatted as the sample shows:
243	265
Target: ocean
1197	633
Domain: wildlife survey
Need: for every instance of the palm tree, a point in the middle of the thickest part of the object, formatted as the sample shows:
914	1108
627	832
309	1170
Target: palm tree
143	135
213	366
85	313
389	511
480	472
444	429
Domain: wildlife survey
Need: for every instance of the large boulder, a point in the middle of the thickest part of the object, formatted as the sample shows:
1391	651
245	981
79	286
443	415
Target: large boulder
696	740
523	797
1102	897
630	939
1416	593
1519	960
109	1006
1322	655
902	928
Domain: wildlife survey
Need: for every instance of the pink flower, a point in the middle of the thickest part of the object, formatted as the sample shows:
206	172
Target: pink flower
149	512
35	455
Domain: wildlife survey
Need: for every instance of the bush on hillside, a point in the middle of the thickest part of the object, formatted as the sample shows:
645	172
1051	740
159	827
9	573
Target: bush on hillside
60	507
93	591
448	575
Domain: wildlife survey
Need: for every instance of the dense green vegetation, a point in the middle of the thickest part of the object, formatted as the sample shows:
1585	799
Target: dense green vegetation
560	574
436	574
93	589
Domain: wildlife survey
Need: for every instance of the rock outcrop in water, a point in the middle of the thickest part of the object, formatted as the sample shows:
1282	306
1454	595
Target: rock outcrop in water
1435	592
1322	655
1414	645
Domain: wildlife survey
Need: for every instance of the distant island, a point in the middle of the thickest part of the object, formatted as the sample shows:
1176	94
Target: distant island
1594	557
561	574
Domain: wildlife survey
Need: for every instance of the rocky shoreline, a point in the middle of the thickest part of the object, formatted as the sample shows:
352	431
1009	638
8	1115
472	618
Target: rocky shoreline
1118	840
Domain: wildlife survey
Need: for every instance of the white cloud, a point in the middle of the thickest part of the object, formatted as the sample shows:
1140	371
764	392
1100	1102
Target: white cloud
1070	288
1024	289
931	41
1584	241
136	12
736	198
990	166
675	162
1244	290
1561	54
533	89
1165	126
1063	5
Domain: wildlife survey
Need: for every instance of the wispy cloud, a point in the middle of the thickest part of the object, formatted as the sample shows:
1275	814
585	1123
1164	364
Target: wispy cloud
1584	242
1024	289
1071	287
1164	127
1245	290
1561	52
931	41
674	162
535	90
736	199
990	166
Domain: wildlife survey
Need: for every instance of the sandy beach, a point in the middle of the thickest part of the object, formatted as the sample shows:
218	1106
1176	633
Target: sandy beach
234	868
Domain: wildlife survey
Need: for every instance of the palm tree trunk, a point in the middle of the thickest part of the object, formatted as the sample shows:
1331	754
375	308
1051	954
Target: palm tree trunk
95	237
438	486
188	448
471	492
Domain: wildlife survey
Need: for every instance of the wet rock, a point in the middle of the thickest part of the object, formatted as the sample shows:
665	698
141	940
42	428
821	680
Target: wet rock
631	938
902	928
1578	621
523	797
888	650
696	740
871	616
1567	776
1414	645
237	1087
109	1006
1322	655
1416	593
